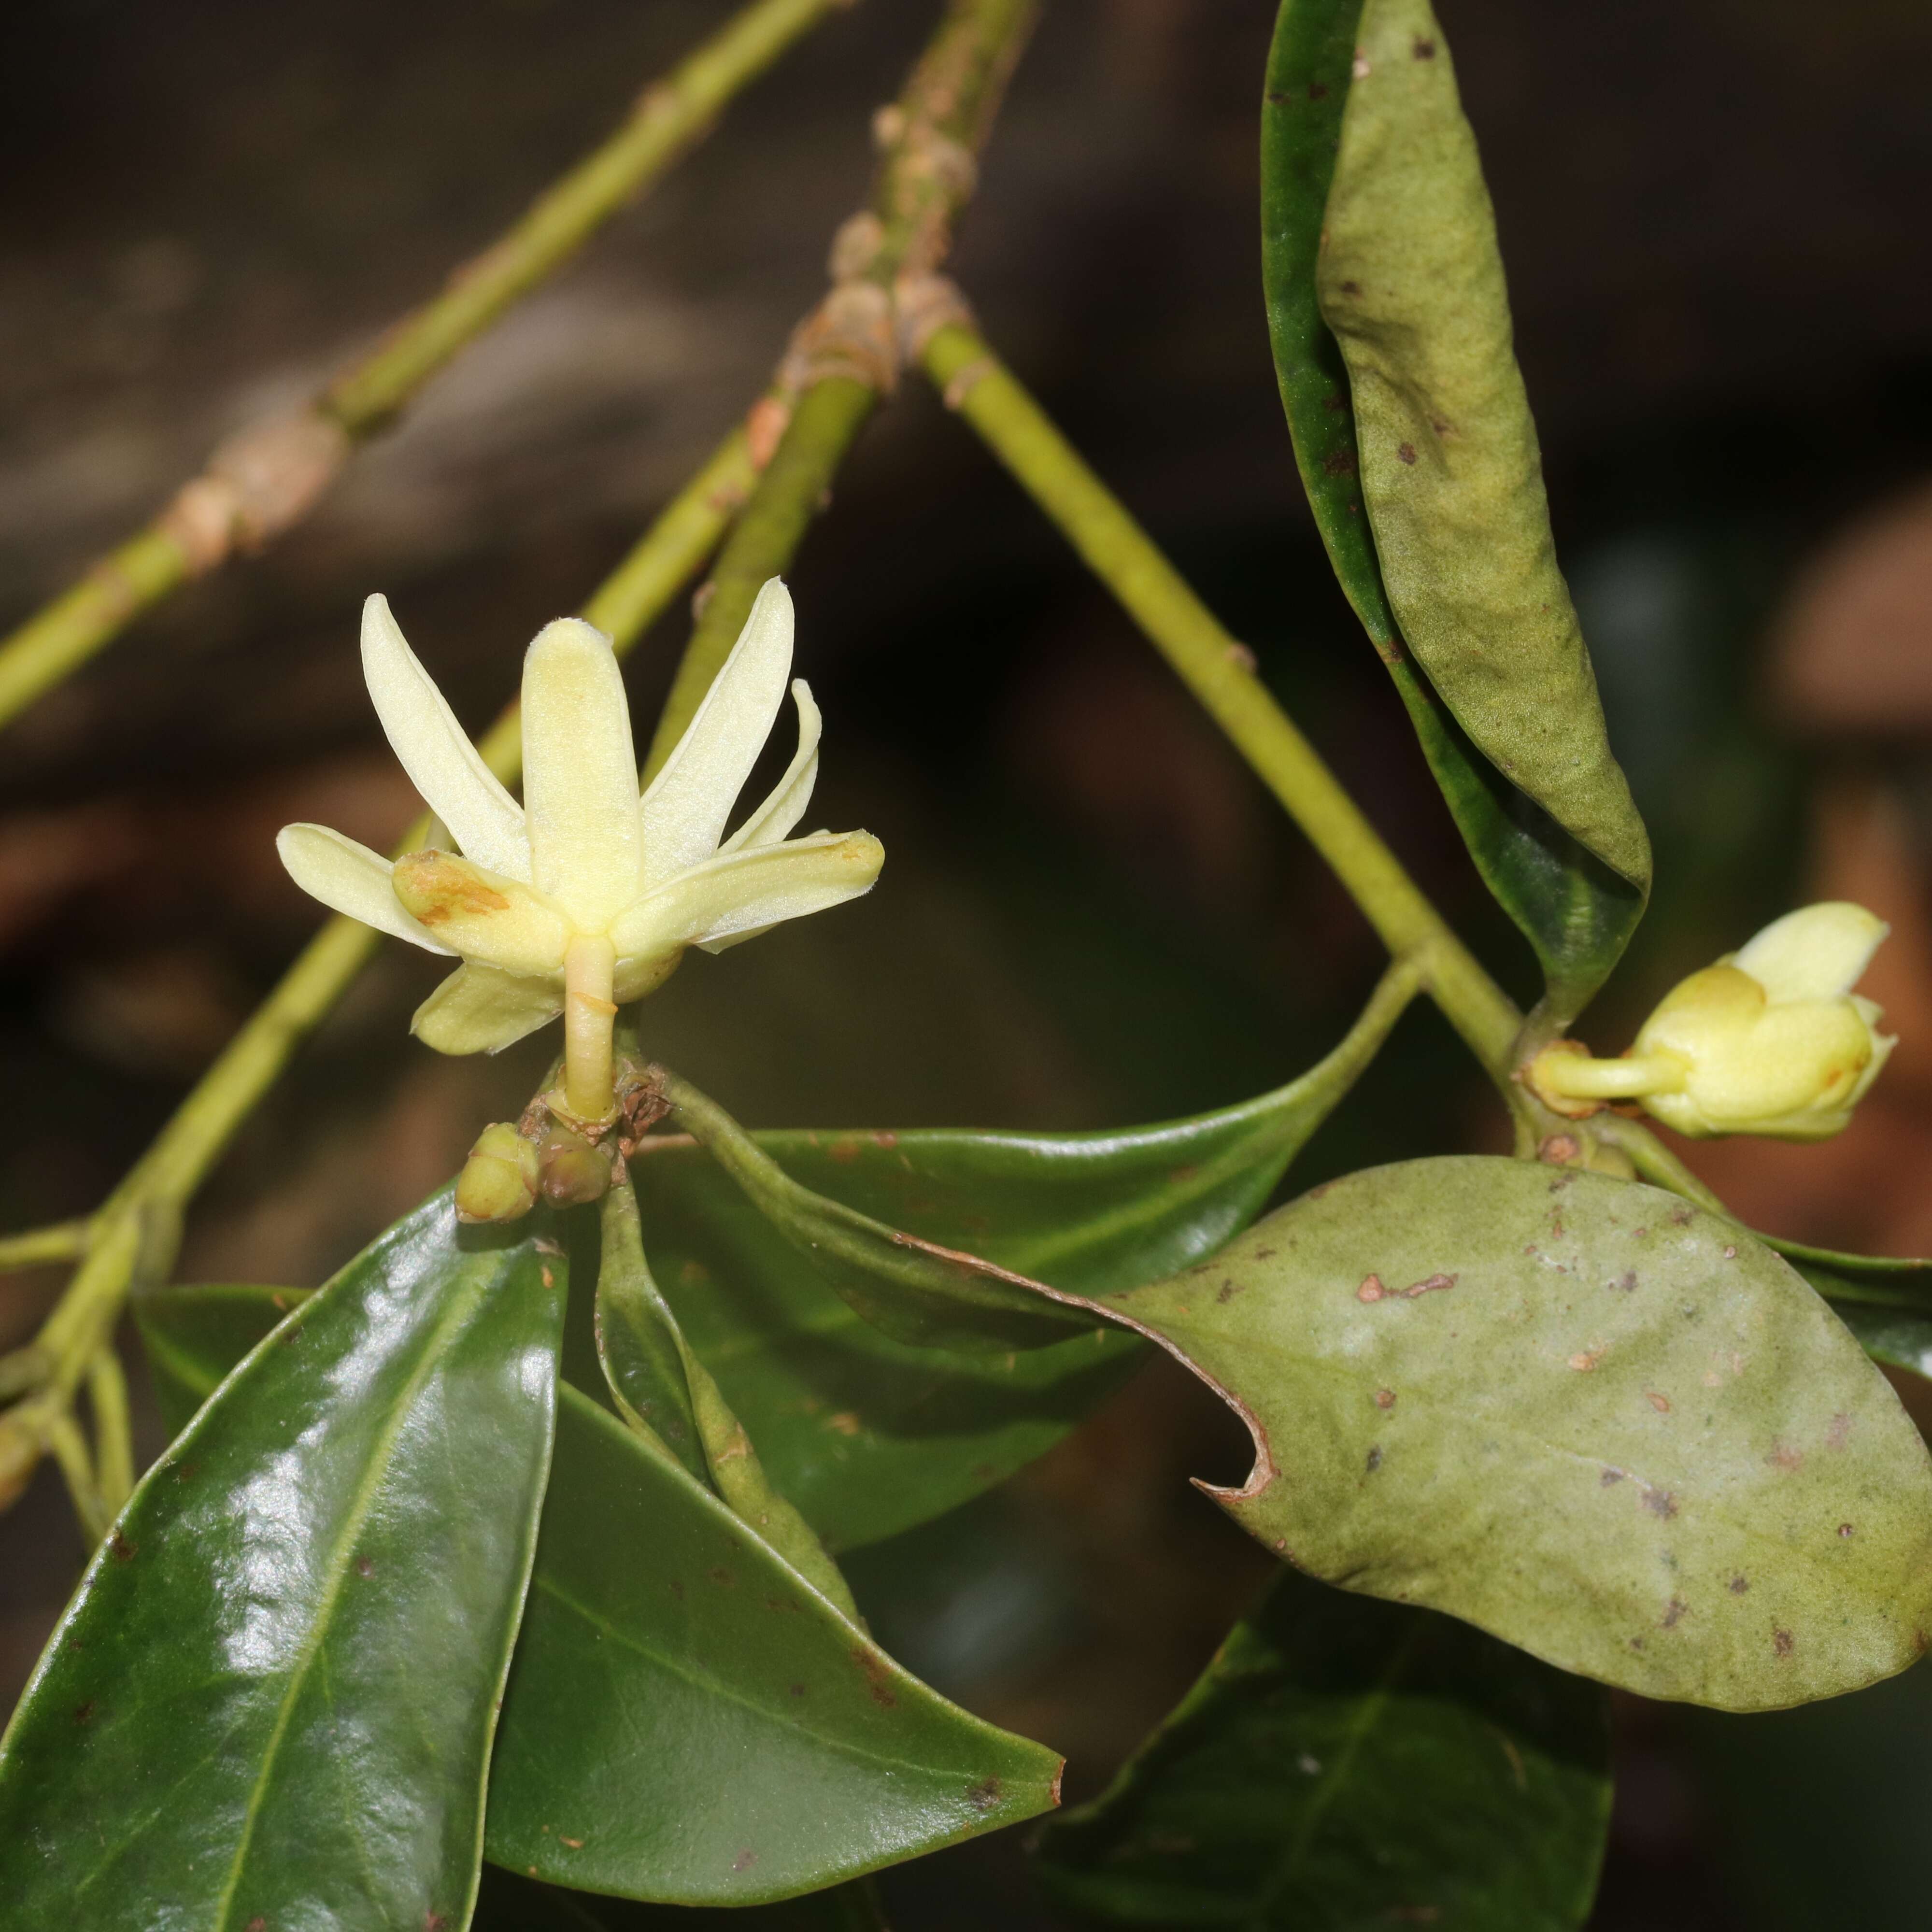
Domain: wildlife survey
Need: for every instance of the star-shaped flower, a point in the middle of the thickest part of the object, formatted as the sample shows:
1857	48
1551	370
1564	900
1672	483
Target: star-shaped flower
586	895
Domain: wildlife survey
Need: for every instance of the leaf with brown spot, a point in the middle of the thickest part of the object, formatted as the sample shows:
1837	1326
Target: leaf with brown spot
1555	1509
1326	187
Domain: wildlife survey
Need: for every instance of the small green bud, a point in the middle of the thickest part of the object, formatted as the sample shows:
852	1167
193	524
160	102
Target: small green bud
499	1180
572	1170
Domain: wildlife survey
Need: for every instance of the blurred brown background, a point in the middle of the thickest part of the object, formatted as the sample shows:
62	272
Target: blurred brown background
1714	217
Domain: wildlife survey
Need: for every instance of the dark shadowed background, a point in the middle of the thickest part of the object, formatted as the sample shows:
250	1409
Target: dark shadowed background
1714	214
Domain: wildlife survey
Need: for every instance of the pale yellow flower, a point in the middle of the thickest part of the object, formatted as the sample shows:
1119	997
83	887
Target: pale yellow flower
586	895
1771	1040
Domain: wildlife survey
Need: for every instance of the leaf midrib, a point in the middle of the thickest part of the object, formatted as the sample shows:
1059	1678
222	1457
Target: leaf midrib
462	1305
711	1685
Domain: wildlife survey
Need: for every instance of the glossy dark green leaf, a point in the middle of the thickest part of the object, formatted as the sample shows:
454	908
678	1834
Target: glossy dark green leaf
689	1720
1578	1412
508	1902
913	1289
655	1378
193	1337
1345	1763
1903	1280
1576	911
1897	1336
869	1435
271	1702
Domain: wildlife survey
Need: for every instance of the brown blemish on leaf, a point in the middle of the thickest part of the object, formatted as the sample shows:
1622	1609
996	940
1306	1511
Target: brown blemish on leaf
1385	1398
1584	1362
1626	1281
1405	452
364	1567
120	1549
1730	1254
1661	1403
575	1844
1781	1641
844	1149
1263	1254
676	1588
1375	1458
1339	462
878	1681
744	1861
83	1714
885	1138
1371	1289
985	1795
1317	91
1783	1456
1610	1478
845	1422
1672	1611
1423	50
434	1921
1351	289
1739	1586
1844	1529
1430	1285
721	1576
1659	1502
1229	1289
1839	1432
259	1923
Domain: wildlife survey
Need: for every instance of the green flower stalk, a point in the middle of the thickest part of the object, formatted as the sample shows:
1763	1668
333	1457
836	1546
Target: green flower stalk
586	896
1770	1040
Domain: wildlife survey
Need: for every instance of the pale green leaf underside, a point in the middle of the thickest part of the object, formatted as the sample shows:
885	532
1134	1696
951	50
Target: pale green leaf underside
1577	1412
1411	282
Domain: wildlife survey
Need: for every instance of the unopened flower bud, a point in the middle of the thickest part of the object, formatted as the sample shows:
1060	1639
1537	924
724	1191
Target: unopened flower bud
572	1172
499	1180
1771	1040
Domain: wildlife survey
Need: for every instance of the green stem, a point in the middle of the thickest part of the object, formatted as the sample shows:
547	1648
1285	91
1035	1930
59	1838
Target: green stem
201	528
762	542
1218	670
844	354
63	1241
113	1430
